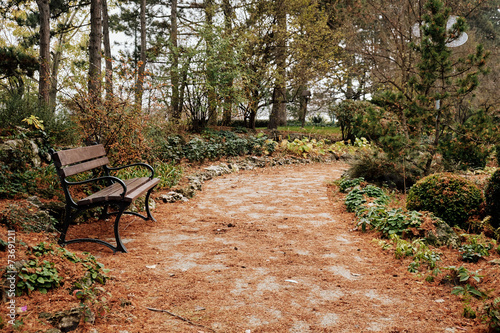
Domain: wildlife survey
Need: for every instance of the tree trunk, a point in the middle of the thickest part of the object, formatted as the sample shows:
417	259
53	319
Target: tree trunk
53	79
95	41
210	72
228	102
139	85
107	50
44	81
56	60
304	95
174	69
278	113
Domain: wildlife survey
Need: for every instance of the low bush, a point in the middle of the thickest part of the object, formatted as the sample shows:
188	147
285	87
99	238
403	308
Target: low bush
351	117
463	153
448	196
212	145
492	196
376	168
497	154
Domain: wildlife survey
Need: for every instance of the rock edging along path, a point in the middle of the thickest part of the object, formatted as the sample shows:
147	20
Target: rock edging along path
267	251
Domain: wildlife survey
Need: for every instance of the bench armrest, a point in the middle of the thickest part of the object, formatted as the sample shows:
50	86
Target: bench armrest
149	167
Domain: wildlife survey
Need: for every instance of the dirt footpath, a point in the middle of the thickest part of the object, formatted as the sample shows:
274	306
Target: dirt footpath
266	251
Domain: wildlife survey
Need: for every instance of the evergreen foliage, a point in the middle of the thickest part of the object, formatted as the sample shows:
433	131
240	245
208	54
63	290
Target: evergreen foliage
425	111
492	196
450	197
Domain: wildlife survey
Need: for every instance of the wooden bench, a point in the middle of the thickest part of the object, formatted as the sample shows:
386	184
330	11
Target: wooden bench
116	192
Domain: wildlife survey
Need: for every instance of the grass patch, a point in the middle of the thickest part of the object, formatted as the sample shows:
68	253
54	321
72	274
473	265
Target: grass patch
322	130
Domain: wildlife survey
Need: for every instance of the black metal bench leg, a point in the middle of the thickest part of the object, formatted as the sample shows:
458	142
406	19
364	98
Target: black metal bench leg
67	220
71	216
146	203
119	245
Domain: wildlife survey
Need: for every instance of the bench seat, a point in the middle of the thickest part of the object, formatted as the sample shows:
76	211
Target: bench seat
135	188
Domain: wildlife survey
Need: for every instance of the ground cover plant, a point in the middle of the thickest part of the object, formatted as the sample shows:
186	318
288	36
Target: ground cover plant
401	230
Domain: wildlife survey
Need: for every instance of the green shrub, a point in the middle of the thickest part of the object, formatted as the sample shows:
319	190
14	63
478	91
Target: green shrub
463	153
492	196
350	116
448	196
497	154
376	168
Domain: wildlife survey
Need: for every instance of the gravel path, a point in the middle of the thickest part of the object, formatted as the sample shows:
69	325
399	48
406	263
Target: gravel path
269	251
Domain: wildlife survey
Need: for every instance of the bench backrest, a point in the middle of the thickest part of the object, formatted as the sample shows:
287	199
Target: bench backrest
73	161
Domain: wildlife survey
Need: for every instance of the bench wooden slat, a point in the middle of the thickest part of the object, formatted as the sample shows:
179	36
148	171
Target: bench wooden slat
85	166
71	156
142	189
135	188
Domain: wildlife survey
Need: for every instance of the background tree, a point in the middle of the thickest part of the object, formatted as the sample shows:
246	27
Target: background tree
423	98
44	80
95	46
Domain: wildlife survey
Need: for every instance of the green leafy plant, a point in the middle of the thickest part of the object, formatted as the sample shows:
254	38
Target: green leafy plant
399	222
388	221
346	184
427	256
42	249
372	216
469	312
491	314
467	289
419	251
354	199
474	250
37	276
448	196
169	173
304	147
403	247
460	277
358	196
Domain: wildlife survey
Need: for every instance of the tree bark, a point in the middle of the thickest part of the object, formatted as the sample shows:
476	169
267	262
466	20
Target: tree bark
278	112
228	102
44	80
174	69
139	85
94	84
212	97
304	95
53	79
107	50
